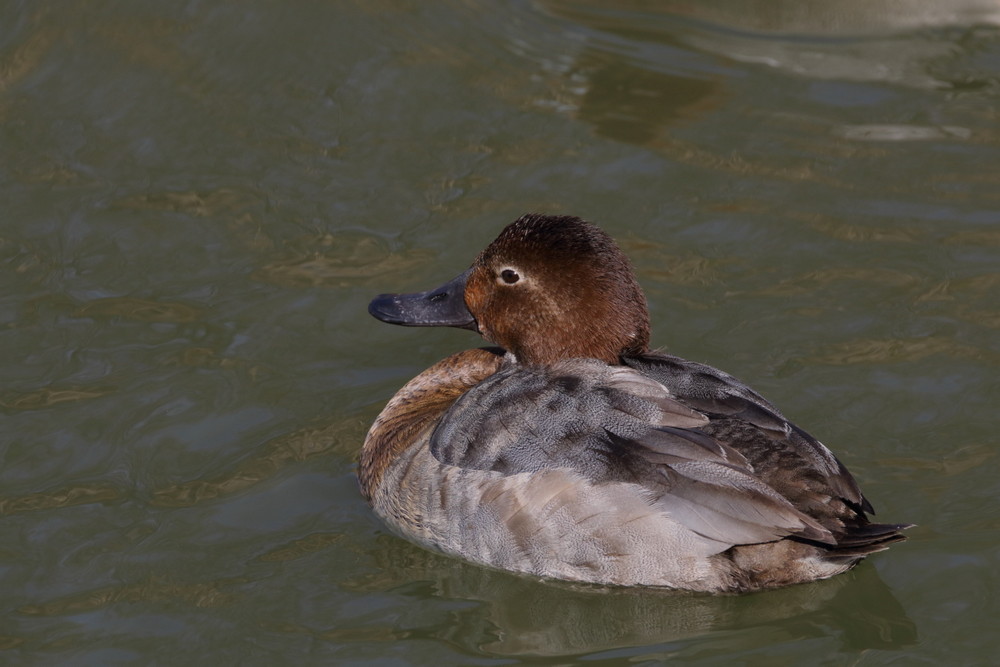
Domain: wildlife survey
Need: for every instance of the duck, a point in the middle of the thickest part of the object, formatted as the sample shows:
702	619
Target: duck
568	449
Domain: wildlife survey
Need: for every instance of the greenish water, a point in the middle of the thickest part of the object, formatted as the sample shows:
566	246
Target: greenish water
197	201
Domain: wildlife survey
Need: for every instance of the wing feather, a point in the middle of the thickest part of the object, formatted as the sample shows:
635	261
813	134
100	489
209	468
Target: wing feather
614	425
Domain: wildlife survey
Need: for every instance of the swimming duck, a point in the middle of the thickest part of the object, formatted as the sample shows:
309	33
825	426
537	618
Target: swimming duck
572	451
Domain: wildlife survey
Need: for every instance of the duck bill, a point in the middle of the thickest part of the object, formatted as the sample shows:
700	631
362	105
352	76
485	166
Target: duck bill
440	307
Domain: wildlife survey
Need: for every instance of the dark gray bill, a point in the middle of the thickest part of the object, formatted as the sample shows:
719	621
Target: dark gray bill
441	307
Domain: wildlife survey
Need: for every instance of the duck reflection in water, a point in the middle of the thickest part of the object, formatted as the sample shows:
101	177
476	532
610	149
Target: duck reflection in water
497	613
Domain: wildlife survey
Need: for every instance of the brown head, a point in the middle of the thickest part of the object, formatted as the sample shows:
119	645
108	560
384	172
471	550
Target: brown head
548	288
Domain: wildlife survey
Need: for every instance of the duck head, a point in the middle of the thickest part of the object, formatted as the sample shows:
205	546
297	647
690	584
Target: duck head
548	288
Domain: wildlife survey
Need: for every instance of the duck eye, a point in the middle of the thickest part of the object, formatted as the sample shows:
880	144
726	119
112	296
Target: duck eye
509	276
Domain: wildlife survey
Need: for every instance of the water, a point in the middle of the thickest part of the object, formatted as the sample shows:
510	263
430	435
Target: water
200	198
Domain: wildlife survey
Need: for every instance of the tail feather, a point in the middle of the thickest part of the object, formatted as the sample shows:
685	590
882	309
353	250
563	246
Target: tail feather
860	539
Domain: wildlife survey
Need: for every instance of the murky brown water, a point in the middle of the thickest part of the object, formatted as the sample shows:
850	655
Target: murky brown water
199	199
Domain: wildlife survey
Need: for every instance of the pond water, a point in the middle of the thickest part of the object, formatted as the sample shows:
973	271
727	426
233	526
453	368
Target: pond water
199	199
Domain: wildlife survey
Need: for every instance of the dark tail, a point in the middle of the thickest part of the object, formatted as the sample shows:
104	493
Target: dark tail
862	538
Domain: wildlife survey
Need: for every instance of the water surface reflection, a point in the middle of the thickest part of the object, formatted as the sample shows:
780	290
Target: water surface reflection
519	616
